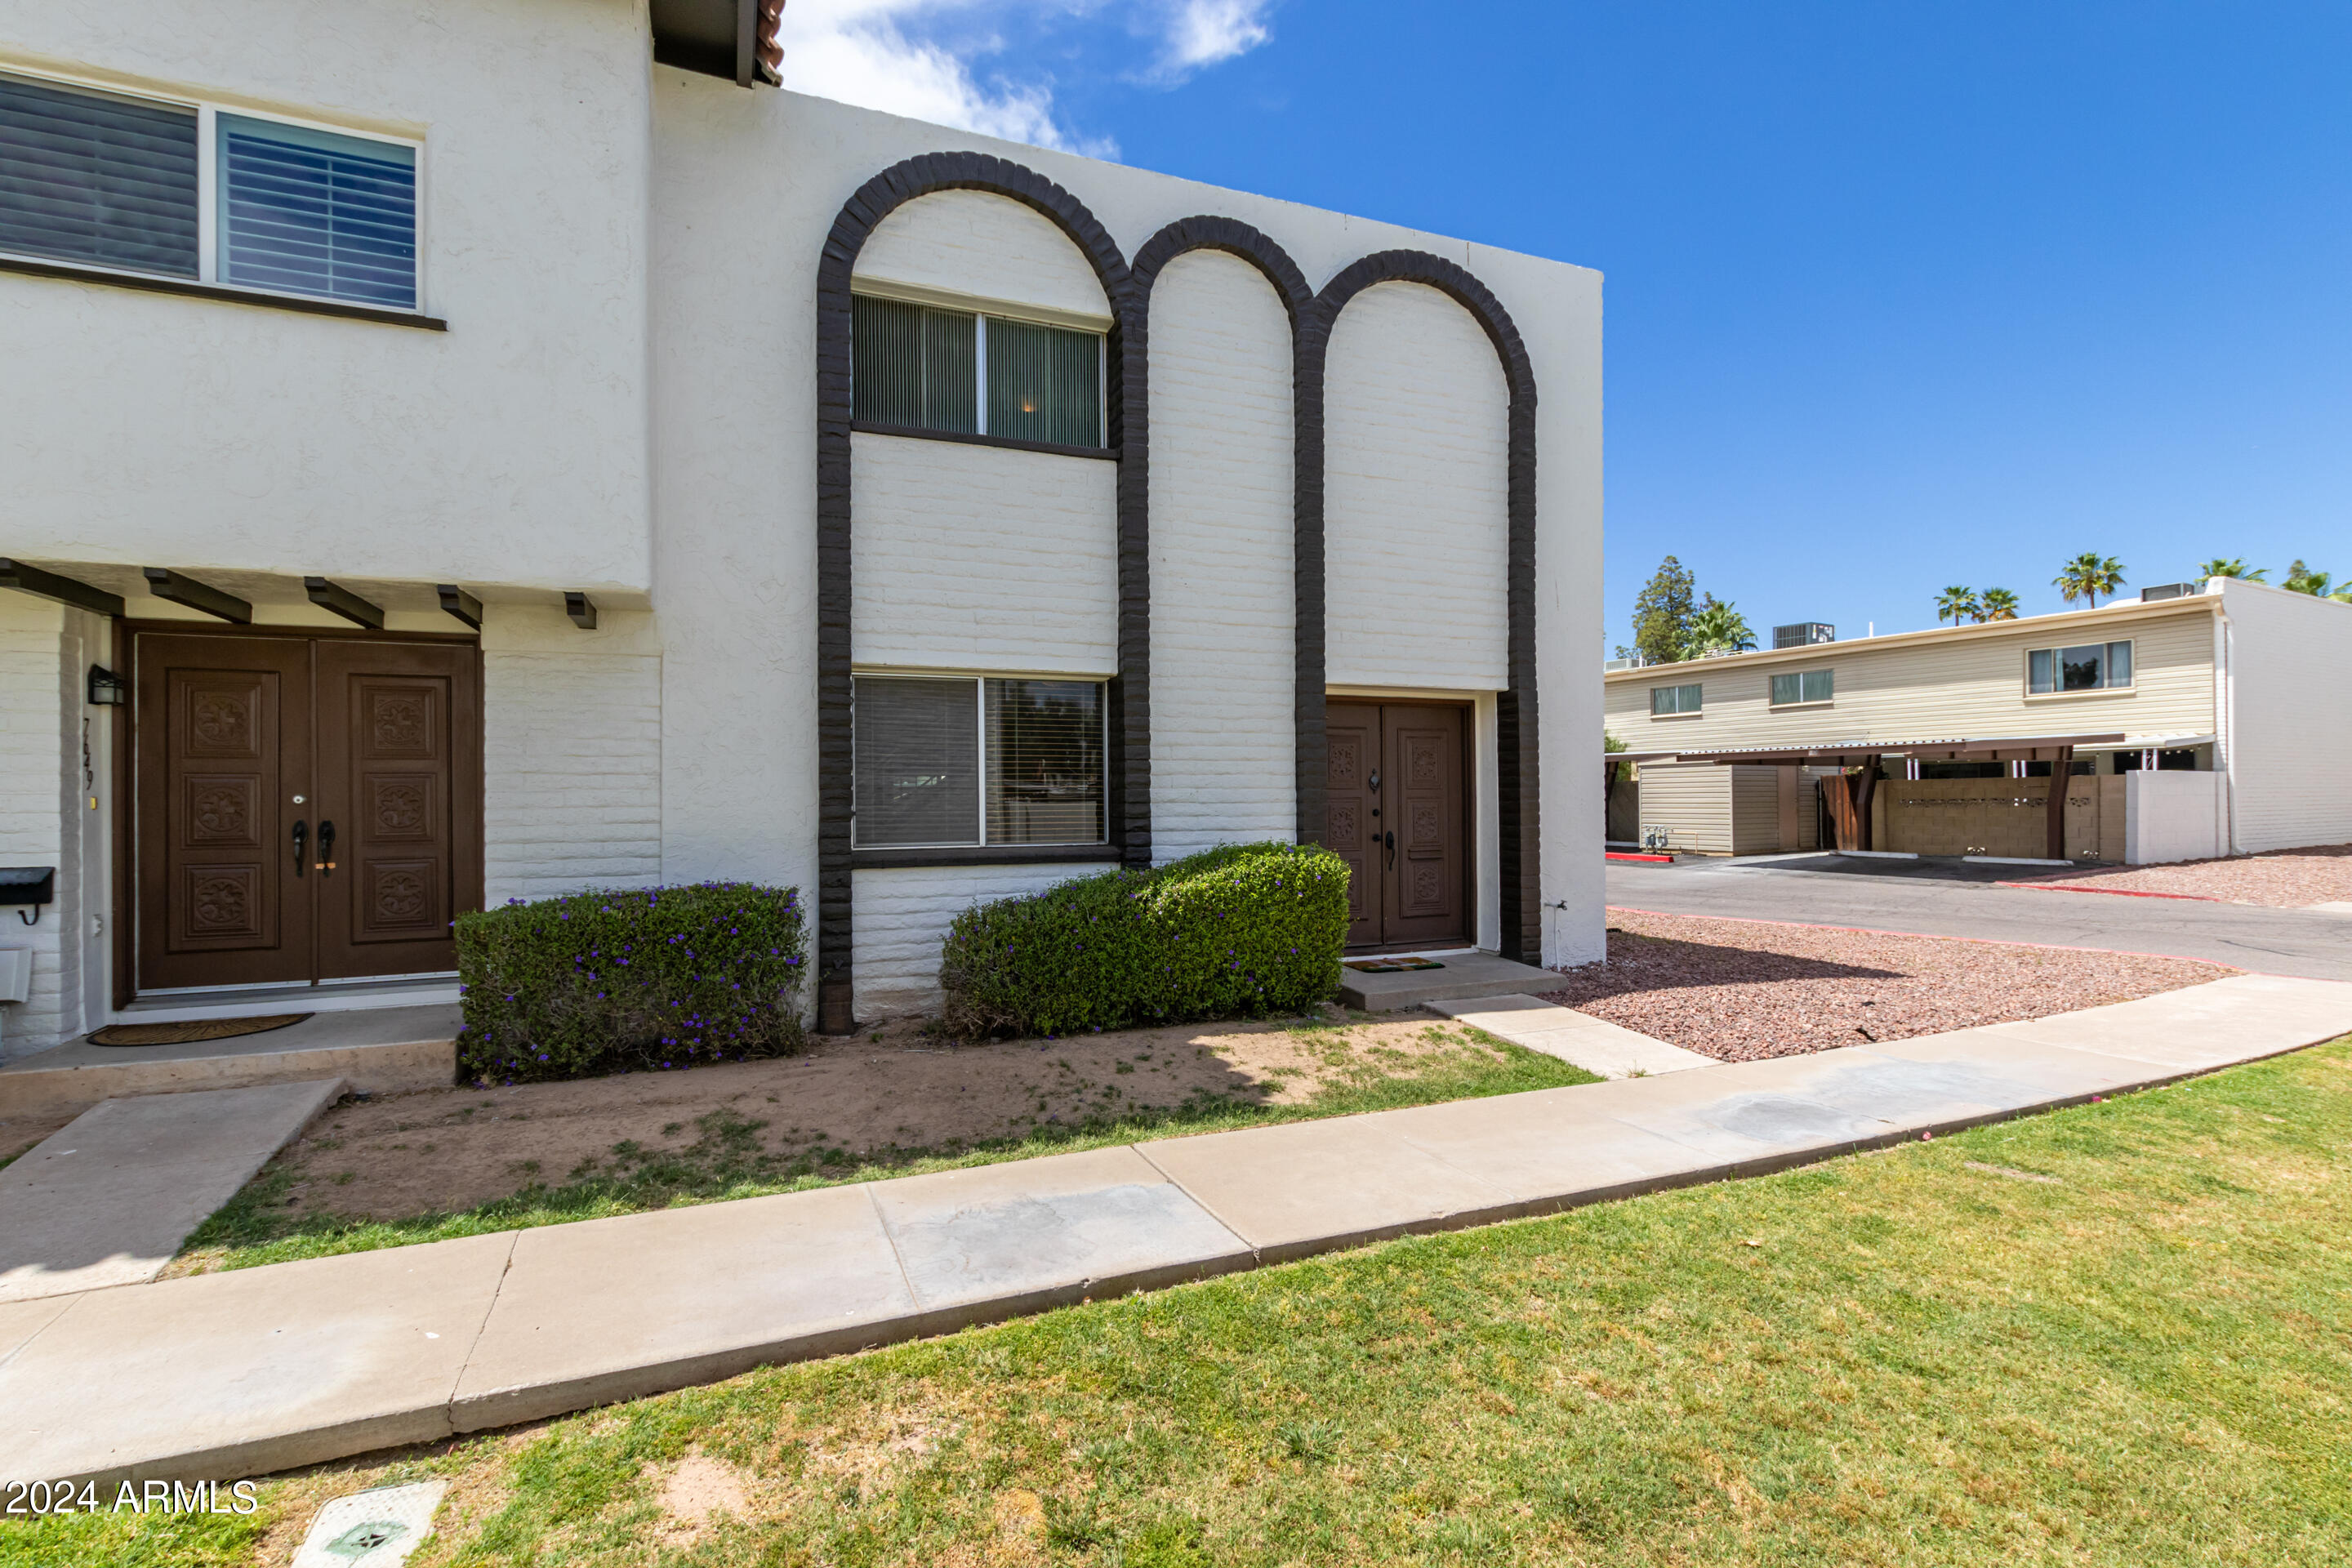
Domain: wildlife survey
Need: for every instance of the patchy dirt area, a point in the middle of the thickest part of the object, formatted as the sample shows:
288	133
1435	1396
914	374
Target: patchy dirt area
894	1089
1742	990
2279	878
19	1133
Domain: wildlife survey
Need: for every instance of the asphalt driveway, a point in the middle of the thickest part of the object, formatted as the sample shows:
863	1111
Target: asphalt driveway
1950	898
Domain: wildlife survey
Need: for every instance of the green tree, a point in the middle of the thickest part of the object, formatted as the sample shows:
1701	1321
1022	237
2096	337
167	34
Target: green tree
1996	604
2087	576
1954	603
2302	579
1662	615
1718	628
2237	568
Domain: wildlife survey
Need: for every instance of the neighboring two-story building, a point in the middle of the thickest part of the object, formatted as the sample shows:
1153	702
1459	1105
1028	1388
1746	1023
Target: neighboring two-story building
464	452
2189	725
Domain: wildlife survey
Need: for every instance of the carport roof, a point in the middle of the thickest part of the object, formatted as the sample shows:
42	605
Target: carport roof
1942	750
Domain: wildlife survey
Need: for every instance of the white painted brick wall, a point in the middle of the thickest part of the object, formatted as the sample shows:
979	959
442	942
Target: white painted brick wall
977	558
975	243
33	719
1223	733
902	915
571	759
1416	498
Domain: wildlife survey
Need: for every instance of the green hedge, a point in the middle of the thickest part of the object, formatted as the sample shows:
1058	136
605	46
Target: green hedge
618	981
1238	930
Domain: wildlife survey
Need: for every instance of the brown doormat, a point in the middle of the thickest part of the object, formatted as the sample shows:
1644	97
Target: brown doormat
1392	965
189	1033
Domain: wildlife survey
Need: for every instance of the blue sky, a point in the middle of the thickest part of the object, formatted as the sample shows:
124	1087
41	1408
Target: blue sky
1898	296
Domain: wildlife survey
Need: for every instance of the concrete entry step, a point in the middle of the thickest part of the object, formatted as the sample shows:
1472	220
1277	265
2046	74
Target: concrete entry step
108	1199
1464	975
376	1050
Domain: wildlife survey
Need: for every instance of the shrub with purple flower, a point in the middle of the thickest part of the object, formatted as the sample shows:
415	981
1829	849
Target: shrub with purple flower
1235	931
630	979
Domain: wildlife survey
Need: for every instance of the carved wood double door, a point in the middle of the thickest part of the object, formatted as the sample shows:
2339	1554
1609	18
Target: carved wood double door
308	809
1398	812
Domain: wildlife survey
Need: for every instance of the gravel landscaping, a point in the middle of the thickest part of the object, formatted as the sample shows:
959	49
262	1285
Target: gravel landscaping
1743	990
2281	879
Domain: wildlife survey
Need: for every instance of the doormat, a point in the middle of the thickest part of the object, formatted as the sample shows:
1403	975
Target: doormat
1392	965
190	1031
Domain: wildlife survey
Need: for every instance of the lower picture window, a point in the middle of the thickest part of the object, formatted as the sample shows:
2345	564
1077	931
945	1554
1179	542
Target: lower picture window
945	761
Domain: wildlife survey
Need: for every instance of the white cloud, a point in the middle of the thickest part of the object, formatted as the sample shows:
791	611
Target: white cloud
922	57
857	51
1204	32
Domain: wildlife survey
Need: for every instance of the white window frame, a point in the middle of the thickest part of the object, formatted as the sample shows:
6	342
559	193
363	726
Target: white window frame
980	680
1679	712
208	113
1802	701
2057	673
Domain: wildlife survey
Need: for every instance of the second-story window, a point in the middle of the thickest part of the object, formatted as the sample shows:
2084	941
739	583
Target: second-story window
1666	700
1802	686
917	367
181	190
2089	667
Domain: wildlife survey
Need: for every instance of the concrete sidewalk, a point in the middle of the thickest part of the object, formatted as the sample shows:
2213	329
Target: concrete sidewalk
241	1374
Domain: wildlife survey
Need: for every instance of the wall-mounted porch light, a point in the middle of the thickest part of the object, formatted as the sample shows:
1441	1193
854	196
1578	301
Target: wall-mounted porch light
107	690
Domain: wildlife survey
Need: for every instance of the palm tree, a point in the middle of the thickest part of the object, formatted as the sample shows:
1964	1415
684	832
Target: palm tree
1954	603
1718	628
2302	579
1997	604
2087	576
2236	568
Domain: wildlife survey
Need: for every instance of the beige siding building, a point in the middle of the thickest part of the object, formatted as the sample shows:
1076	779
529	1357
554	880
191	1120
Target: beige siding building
2206	723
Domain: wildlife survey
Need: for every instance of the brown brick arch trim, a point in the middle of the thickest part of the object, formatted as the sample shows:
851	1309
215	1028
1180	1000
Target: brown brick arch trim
1237	238
1130	690
1522	922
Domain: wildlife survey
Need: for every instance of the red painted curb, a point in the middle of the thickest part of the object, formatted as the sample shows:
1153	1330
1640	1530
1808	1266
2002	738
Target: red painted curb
1652	859
2111	892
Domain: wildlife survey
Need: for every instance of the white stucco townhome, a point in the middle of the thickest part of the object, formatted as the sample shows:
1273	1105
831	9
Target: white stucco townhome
456	453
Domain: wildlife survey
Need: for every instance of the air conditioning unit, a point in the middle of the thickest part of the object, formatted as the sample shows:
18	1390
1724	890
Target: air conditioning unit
1655	837
1804	633
2168	591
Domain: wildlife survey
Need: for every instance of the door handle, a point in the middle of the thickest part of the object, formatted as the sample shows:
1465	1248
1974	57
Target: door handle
302	842
1389	843
325	847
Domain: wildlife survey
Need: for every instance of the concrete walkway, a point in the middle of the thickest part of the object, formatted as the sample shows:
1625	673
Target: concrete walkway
1596	1045
241	1374
109	1198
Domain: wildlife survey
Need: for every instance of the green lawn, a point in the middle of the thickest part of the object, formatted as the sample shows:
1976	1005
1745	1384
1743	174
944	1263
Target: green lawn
725	1158
1893	1358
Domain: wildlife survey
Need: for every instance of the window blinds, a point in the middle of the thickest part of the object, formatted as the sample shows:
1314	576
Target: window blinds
310	211
92	178
916	745
914	366
1044	384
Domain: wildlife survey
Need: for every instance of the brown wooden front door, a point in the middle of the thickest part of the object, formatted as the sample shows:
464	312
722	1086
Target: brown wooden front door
1399	814
307	809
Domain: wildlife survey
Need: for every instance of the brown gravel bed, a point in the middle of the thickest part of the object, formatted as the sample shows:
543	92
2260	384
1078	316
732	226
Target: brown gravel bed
2280	879
1745	990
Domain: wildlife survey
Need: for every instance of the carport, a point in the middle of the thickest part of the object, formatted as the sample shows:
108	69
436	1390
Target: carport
1848	793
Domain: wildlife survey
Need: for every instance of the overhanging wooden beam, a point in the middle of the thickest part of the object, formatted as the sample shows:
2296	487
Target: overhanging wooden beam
28	579
182	589
582	609
343	601
457	602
